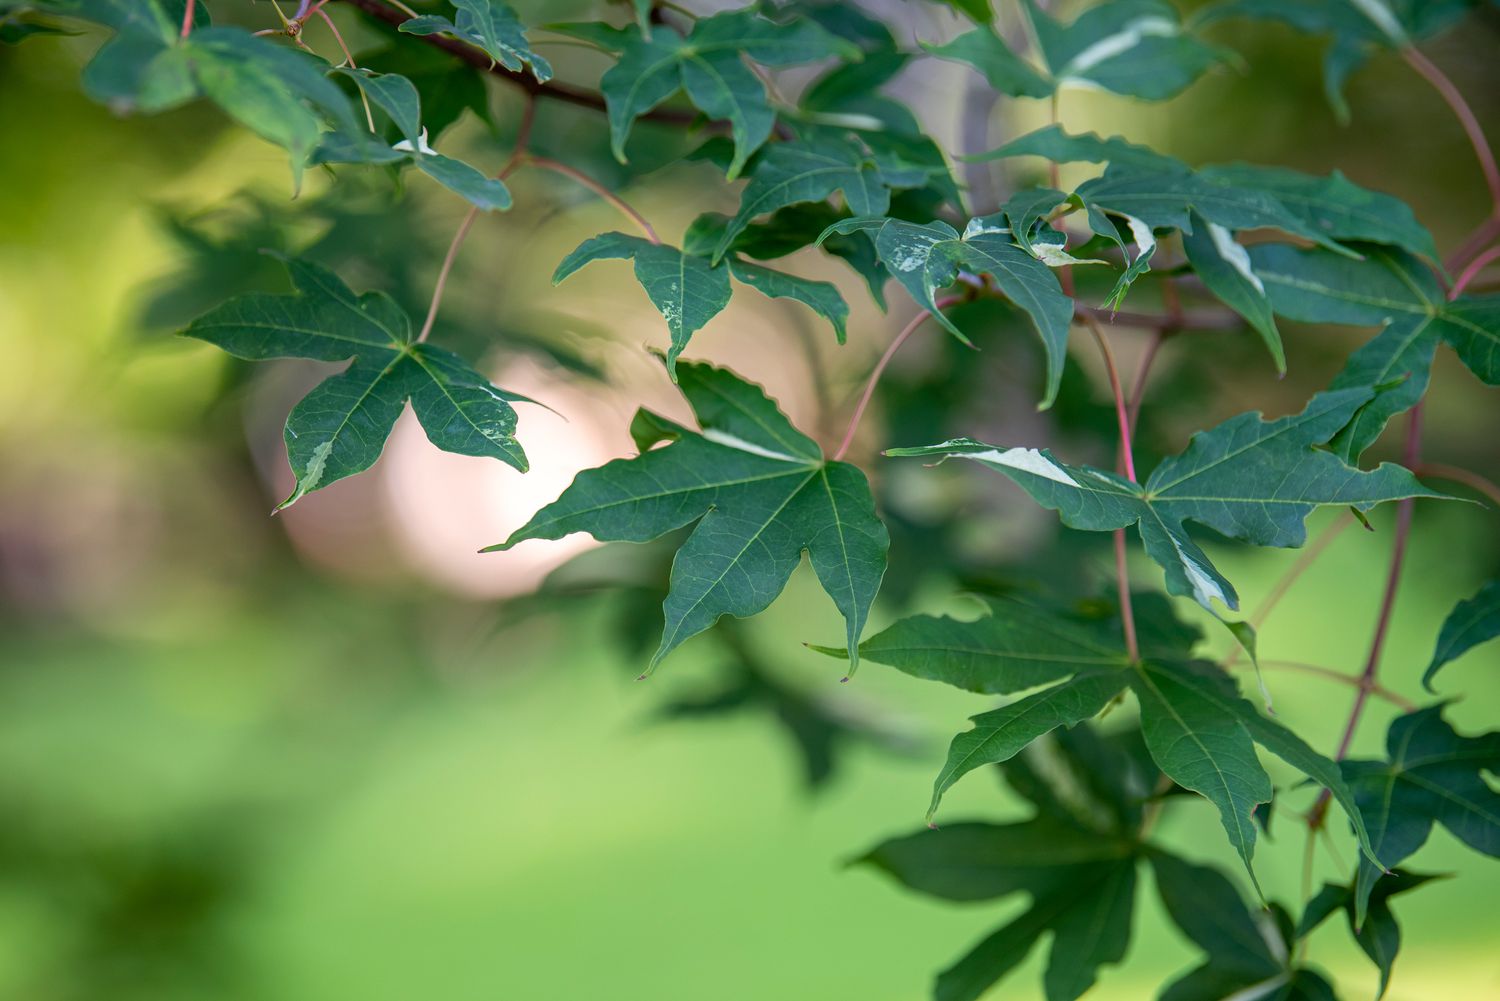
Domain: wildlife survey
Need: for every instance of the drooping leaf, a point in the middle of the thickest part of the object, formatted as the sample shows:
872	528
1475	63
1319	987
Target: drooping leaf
924	257
1379	935
1134	47
685	288
1248	953
1431	775
1000	734
489	26
340	428
1203	749
1226	270
709	66
1471	623
761	494
789	173
1248	478
1082	887
1387	287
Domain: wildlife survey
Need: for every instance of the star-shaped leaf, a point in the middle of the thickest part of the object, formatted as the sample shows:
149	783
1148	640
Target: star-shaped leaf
925	257
1431	775
489	26
1248	954
709	65
1076	860
340	428
1133	47
761	494
789	173
1378	935
398	98
1388	288
685	288
1249	478
1471	623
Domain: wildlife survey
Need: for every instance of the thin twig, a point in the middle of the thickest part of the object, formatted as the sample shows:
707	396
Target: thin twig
348	57
1471	272
1281	587
1217	320
1377	690
609	196
880	366
187	18
1127	460
1392	584
480	60
1138	391
1466	118
523	138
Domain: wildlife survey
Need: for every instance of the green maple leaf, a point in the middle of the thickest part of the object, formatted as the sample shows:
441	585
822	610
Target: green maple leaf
1076	860
1133	47
822	298
340	428
685	288
924	257
1378	934
1227	271
789	173
709	65
1471	623
489	26
1248	478
760	492
1247	954
1196	726
1053	142
1387	288
398	98
1431	775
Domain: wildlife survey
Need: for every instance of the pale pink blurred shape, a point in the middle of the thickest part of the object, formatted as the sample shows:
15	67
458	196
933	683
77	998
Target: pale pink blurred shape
443	508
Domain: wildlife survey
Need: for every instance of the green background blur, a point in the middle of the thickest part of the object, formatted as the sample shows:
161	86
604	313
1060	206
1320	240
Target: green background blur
317	757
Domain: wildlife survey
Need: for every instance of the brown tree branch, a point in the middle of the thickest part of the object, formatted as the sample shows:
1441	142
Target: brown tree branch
567	93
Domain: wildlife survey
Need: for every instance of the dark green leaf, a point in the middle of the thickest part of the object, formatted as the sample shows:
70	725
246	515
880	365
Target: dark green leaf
924	257
1379	935
489	26
340	428
1432	775
761	494
684	287
1227	272
1471	623
709	65
1250	479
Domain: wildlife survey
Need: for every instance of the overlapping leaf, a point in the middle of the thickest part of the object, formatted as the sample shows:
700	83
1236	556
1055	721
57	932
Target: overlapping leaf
490	26
709	66
761	494
340	428
398	98
1431	775
1390	288
1250	479
1471	623
925	257
1248	954
1079	871
1135	47
1378	935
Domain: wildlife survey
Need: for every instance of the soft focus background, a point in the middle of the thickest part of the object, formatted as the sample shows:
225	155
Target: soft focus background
335	754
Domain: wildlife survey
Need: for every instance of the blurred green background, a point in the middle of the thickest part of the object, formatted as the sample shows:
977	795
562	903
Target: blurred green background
336	755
